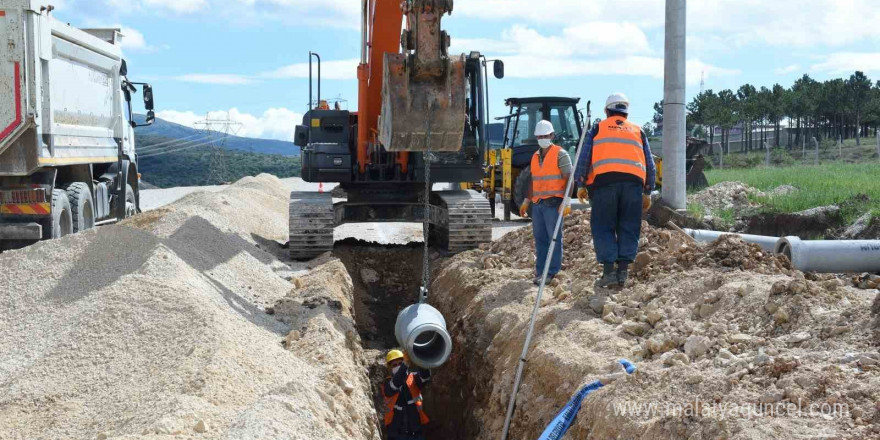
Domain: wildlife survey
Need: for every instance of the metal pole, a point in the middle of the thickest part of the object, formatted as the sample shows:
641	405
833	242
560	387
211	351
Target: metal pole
525	350
674	130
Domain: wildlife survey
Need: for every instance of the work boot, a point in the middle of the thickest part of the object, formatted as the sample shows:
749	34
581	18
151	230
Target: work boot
609	276
537	280
622	273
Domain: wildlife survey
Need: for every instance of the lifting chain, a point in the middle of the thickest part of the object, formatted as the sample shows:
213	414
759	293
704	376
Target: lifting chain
426	230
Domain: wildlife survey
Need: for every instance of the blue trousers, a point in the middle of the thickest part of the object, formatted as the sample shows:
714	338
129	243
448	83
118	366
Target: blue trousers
616	221
544	216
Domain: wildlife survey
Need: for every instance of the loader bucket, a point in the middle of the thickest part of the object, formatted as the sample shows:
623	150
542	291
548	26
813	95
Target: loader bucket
425	111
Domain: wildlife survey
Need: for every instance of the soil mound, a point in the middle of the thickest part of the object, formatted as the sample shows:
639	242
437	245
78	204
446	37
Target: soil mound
730	343
158	328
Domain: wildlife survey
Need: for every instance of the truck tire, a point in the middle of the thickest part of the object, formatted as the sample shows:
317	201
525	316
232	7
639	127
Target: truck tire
130	203
62	221
82	207
521	188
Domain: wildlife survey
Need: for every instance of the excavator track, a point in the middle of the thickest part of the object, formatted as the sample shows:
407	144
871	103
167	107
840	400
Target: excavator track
467	222
312	220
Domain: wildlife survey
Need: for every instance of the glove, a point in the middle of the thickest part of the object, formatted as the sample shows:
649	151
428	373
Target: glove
524	209
406	359
646	202
566	211
582	195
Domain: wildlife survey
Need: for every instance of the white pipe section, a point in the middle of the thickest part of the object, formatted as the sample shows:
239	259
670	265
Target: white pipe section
831	256
674	130
767	243
421	331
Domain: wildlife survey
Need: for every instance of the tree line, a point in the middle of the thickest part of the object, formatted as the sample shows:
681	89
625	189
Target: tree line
833	109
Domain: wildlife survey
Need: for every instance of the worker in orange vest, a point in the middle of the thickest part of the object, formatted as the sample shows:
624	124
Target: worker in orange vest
404	416
616	172
551	168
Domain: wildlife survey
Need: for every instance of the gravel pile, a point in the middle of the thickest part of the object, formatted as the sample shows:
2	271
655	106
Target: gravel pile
726	196
717	330
158	328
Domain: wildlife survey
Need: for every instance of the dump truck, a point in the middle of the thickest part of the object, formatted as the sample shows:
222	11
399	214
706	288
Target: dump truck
421	118
67	145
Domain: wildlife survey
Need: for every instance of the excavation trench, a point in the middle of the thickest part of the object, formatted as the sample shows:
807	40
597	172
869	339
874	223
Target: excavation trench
386	279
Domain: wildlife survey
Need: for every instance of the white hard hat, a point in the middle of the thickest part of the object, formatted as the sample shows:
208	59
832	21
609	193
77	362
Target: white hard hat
618	102
543	128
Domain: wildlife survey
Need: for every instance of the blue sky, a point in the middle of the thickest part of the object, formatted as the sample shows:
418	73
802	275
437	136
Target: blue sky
248	57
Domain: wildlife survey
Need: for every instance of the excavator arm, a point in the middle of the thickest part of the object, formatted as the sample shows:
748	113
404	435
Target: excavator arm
418	102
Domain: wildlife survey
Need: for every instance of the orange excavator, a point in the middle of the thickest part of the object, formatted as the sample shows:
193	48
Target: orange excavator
421	119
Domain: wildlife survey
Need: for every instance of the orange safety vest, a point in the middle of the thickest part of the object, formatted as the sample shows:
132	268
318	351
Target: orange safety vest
618	148
547	178
391	402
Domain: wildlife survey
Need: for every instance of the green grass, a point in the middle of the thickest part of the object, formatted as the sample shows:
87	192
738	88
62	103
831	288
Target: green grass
829	184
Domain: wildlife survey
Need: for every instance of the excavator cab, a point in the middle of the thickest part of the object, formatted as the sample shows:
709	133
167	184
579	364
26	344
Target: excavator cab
508	167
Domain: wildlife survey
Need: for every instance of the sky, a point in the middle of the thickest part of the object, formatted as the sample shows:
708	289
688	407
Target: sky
249	58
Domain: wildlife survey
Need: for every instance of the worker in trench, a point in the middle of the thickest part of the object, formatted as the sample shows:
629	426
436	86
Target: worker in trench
551	168
616	172
404	416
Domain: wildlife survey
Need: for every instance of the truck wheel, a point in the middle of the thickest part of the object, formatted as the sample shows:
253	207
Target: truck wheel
521	188
62	222
82	207
130	204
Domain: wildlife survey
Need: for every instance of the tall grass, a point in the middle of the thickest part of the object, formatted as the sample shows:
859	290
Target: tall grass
839	184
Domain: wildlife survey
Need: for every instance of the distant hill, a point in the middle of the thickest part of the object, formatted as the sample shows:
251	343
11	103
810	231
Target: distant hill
163	131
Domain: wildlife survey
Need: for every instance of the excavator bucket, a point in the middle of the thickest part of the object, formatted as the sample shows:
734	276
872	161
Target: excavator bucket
423	111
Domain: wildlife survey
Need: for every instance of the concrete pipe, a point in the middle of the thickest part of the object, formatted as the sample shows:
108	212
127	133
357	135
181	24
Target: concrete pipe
831	256
421	331
767	243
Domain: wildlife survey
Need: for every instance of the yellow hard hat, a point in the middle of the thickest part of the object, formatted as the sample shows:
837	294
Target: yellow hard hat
393	355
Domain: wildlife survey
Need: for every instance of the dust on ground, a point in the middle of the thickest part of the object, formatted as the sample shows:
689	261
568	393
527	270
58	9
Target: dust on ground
730	343
160	327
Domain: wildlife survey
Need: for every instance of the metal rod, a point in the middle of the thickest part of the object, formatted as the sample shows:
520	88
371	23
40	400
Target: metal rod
674	129
831	256
525	351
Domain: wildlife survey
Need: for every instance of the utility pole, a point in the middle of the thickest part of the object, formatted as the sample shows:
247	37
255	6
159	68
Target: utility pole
219	129
674	122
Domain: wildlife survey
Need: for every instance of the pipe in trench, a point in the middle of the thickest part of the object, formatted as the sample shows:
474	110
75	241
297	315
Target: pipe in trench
831	256
704	236
421	331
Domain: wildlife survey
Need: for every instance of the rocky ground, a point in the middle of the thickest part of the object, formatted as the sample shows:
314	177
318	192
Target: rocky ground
730	343
189	321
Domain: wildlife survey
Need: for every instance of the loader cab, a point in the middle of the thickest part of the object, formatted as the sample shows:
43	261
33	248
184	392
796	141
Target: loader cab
519	131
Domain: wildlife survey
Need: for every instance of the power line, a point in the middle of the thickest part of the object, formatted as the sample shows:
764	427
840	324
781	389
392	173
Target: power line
147	147
176	150
150	150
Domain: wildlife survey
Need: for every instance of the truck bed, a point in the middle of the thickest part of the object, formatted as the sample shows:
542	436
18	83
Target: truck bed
58	93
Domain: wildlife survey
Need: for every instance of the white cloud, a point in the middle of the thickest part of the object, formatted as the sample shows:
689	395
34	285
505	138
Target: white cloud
341	69
215	78
580	51
179	6
845	63
274	123
133	40
787	69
